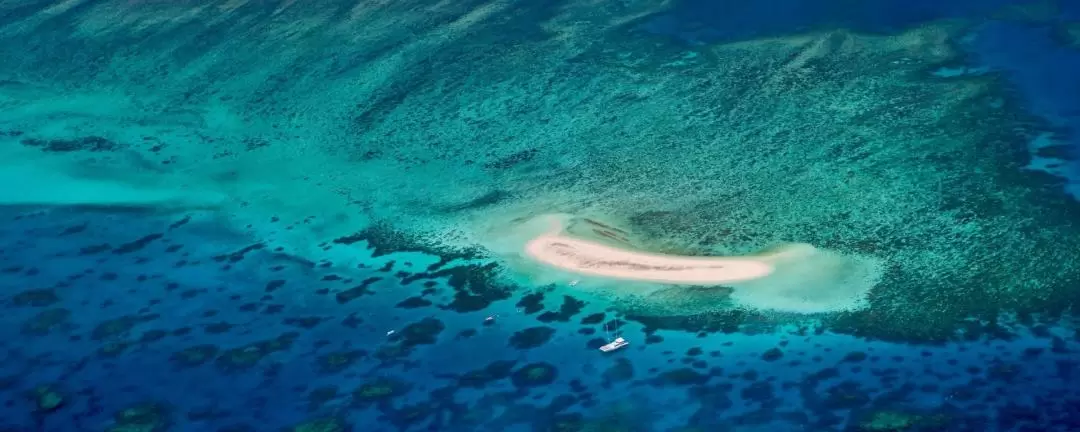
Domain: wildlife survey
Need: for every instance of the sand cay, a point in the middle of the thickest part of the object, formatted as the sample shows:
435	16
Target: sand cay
796	277
558	249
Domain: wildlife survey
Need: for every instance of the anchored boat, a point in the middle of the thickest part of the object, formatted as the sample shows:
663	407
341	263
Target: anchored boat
614	345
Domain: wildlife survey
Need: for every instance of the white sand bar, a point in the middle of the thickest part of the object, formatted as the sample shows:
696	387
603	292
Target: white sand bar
595	259
795	277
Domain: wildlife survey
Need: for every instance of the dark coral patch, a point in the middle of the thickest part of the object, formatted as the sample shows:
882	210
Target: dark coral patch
47	398
338	361
531	303
845	395
680	377
570	422
183	221
319	396
274	285
726	321
512	159
153	336
136	245
217	328
760	391
7	382
383	240
891	420
113	348
35	298
534	375
357	291
325	424
75	229
194	356
413	303
474	287
570	307
423	332
485	200
391	352
144	417
379	391
352	321
1004	372
249	355
595	318
531	337
749	375
494	371
467	333
89	144
118	326
94	249
409	415
46	321
772	354
854	357
306	323
238	255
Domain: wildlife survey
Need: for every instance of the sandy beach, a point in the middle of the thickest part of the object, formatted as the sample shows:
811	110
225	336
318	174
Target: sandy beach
558	249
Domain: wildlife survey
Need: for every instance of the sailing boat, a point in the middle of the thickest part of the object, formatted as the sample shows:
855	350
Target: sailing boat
615	344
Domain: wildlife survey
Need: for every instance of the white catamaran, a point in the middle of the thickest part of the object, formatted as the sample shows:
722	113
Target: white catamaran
615	344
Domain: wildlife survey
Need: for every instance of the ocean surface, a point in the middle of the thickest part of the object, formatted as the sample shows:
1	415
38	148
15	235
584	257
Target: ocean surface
281	215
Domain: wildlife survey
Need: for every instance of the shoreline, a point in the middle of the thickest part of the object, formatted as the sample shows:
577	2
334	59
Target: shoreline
556	248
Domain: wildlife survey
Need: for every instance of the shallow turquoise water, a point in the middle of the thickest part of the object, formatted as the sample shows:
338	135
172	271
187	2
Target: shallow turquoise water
257	216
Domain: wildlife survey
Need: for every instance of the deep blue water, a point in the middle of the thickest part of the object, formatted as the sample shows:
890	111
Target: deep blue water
149	300
127	312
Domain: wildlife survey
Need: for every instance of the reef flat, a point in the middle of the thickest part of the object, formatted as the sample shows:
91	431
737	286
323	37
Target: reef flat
840	139
257	203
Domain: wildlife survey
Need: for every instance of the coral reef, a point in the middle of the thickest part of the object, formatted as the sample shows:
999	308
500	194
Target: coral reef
329	424
143	417
300	215
379	391
47	398
534	375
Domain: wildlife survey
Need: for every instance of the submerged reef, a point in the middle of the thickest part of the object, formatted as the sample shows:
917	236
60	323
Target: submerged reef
534	375
841	139
143	417
330	424
311	216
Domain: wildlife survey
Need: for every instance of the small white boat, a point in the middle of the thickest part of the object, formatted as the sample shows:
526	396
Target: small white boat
575	282
614	345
